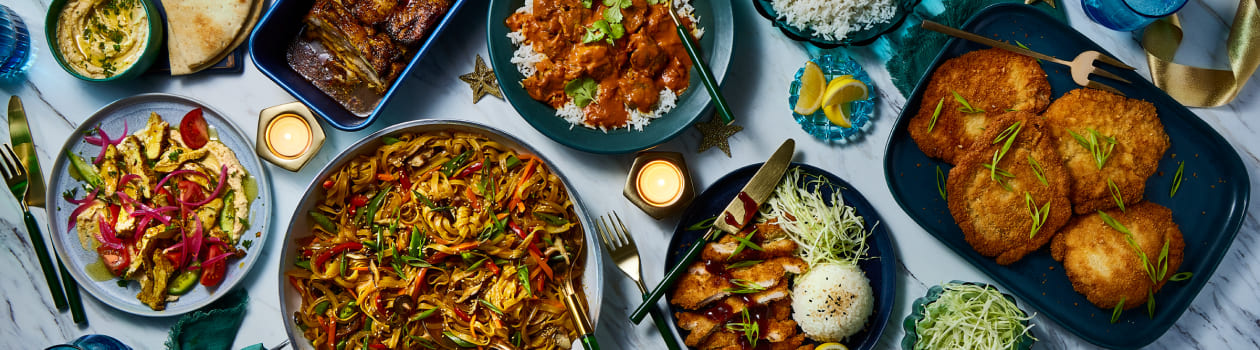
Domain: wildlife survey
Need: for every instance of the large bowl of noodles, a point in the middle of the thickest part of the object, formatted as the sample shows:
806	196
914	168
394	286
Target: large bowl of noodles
321	273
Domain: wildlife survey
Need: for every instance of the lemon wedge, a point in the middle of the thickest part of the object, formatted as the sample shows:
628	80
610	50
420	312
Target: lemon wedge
832	346
838	114
813	83
842	91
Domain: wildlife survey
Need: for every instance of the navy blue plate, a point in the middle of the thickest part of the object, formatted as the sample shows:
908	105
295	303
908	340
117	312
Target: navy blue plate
277	30
1209	206
881	269
715	47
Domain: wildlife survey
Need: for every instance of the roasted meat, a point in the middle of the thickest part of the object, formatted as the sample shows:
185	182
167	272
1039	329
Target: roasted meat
413	21
358	45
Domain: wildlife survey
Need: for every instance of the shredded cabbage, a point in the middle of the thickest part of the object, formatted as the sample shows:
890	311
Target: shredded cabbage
968	316
834	234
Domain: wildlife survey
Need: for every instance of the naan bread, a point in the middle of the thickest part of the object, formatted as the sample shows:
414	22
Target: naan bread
202	30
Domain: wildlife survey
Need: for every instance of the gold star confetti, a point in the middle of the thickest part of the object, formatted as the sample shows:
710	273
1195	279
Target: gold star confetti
1048	2
482	81
716	133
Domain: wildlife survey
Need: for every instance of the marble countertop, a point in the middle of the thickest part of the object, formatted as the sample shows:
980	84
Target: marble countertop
1226	314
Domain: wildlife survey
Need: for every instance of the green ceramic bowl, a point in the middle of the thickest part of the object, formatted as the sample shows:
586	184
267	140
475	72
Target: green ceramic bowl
715	47
916	315
157	31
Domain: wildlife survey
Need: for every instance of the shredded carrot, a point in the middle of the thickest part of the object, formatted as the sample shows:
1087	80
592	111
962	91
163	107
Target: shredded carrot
466	246
516	195
554	303
541	264
361	268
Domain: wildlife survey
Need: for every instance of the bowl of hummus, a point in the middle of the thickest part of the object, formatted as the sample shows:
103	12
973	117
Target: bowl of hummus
104	40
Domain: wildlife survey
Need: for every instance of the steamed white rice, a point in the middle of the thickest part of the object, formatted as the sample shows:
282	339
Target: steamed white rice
834	19
832	301
525	59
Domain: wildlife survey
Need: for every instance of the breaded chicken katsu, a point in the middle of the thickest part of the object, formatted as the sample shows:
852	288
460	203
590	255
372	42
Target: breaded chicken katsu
734	280
1009	211
991	82
1104	267
1106	136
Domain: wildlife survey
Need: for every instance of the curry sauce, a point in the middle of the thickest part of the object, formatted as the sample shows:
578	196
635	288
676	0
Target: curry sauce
630	71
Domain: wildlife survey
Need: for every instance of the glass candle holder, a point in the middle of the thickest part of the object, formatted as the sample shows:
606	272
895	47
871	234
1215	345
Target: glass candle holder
288	135
659	183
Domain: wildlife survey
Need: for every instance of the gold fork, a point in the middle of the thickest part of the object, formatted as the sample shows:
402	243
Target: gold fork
16	177
620	245
573	302
1081	67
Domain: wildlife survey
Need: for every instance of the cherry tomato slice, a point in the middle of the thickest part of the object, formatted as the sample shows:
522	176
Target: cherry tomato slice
194	130
116	260
213	273
191	191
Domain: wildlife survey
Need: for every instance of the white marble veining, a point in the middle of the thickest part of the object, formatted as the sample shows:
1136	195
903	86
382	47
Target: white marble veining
1225	315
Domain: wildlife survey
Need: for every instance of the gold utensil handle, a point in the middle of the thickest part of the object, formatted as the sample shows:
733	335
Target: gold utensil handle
969	36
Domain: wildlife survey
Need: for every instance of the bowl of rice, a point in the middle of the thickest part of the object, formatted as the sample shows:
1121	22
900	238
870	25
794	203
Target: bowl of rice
650	118
834	23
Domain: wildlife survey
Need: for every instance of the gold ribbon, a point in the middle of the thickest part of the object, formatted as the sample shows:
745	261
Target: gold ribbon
1203	87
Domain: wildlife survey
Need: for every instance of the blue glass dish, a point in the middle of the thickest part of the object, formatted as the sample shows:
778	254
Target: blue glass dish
817	124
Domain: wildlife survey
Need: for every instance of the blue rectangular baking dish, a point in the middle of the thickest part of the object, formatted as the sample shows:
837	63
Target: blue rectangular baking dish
277	30
1210	206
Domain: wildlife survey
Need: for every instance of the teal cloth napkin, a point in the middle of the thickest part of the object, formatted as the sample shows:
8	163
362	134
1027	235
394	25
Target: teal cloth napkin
912	48
213	327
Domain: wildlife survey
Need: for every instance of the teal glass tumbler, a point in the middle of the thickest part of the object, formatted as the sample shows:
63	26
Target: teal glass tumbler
1129	15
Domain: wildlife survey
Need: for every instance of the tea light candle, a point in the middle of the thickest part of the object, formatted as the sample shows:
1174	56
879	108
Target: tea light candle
660	183
288	135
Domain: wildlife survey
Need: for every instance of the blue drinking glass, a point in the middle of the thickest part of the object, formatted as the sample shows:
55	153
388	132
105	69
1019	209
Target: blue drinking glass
15	45
1129	15
92	342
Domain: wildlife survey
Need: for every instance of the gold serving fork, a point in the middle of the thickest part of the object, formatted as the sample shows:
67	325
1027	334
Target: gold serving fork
1081	67
620	245
573	302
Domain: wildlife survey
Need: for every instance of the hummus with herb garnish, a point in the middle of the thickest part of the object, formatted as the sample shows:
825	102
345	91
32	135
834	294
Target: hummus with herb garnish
101	38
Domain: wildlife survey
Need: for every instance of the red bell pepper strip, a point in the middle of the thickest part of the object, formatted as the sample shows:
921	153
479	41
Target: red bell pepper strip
332	333
516	195
533	249
469	170
462	315
322	258
494	269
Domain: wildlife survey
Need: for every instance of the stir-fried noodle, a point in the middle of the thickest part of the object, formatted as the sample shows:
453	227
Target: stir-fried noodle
438	240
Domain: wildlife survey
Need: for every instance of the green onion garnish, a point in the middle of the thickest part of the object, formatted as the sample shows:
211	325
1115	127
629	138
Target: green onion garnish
1115	194
1115	313
1094	145
742	264
966	108
1039	216
1181	276
940	182
936	113
745	287
1038	170
745	242
1177	179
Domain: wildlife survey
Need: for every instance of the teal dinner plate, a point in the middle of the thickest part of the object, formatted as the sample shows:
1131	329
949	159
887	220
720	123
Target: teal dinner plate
858	38
1209	206
715	17
880	268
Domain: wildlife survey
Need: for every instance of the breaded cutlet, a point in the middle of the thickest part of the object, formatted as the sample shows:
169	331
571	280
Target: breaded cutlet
996	221
1104	267
992	80
1140	143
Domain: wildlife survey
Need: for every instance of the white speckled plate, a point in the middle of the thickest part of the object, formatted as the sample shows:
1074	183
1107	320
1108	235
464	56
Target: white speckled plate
134	112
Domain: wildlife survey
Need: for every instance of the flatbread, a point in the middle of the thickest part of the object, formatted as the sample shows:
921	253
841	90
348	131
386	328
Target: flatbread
202	30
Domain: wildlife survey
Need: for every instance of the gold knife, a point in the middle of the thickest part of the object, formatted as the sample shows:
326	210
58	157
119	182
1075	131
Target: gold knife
33	196
733	219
